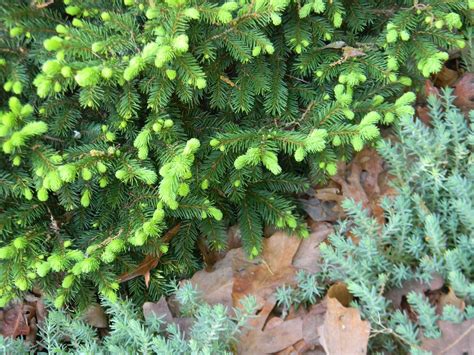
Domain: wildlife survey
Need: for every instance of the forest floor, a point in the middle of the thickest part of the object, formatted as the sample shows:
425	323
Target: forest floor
328	326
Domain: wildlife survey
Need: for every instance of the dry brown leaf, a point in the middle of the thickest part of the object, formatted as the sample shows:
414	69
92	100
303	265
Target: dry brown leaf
464	92
423	113
274	268
308	255
280	337
446	77
15	320
210	257
261	339
396	294
311	323
343	331
216	285
95	316
456	339
150	261
340	292
359	181
363	180
451	299
323	204
161	310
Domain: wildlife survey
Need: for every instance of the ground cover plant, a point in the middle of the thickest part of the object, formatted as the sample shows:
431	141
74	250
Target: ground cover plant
131	130
412	275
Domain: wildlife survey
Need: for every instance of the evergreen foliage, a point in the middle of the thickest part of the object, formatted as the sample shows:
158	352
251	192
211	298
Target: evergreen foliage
212	330
429	229
120	120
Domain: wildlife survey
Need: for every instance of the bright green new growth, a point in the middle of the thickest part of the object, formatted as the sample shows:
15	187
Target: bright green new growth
124	120
429	229
212	330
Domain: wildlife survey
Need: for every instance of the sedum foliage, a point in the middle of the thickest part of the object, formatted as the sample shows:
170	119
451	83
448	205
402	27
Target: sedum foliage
121	120
429	228
212	330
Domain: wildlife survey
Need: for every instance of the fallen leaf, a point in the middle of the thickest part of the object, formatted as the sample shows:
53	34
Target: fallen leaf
340	292
210	256
274	268
95	316
161	310
308	255
323	205
15	319
260	339
280	337
363	180
343	331
396	294
423	113
450	298
216	285
360	181
312	321
430	89
302	347
464	92
150	261
446	77
456	339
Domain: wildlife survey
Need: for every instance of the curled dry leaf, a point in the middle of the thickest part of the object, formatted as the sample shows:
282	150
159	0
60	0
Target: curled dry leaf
324	204
150	261
343	331
340	292
22	318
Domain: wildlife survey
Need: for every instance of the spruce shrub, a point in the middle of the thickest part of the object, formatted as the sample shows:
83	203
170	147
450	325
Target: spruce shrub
121	121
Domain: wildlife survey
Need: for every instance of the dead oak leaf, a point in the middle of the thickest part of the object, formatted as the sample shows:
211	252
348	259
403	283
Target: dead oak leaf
265	336
343	331
216	285
273	268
